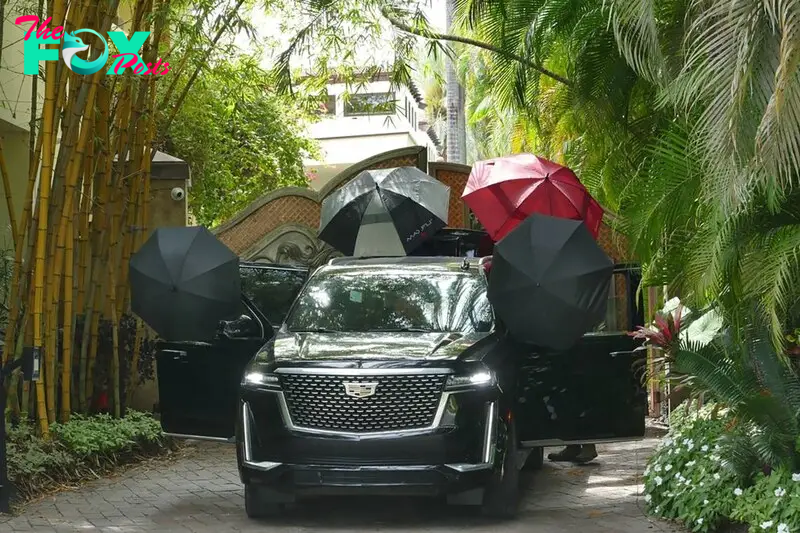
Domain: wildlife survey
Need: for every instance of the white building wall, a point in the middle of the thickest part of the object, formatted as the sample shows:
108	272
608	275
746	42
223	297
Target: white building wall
346	140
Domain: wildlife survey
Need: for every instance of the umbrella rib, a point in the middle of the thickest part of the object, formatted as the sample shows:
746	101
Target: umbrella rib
183	260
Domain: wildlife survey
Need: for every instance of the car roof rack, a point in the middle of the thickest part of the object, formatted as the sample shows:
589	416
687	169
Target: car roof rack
405	259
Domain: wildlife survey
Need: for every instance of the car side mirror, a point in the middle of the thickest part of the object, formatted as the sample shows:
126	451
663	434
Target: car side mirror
479	320
242	327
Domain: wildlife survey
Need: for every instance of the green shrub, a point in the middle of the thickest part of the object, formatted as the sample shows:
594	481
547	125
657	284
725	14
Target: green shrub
104	435
78	449
772	504
686	480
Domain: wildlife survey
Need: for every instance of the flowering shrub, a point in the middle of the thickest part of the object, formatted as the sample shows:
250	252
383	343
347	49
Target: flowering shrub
772	504
685	480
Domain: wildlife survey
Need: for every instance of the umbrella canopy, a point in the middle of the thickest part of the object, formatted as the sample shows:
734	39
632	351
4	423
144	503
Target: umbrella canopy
502	192
385	212
550	281
183	282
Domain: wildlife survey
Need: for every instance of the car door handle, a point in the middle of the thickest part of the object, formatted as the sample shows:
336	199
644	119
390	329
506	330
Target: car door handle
177	355
614	355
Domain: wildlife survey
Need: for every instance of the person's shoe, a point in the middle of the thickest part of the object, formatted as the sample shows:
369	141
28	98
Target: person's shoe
570	453
587	454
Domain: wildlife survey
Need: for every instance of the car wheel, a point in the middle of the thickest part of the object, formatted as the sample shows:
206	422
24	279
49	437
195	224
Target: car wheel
535	460
501	496
257	505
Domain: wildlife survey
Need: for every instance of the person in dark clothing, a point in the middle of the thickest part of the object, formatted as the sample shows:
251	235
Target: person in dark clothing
575	453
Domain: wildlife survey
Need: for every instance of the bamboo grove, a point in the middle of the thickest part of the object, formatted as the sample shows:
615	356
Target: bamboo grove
85	212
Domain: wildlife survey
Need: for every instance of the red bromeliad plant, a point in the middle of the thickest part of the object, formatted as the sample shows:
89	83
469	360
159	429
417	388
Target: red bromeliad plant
663	333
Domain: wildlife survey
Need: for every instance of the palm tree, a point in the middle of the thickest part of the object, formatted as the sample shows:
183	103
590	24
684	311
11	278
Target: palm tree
456	127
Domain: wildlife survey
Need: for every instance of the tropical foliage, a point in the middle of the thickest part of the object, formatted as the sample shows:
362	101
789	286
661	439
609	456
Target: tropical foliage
683	118
240	139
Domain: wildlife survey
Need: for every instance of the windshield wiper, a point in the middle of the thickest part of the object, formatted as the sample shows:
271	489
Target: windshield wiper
410	329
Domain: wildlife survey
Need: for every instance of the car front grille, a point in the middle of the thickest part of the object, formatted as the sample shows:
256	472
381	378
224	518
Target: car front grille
400	401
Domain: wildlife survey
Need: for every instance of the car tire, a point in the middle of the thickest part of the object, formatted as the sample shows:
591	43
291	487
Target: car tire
535	460
257	505
501	495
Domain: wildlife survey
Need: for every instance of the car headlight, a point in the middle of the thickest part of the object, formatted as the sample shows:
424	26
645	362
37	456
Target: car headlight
473	380
261	379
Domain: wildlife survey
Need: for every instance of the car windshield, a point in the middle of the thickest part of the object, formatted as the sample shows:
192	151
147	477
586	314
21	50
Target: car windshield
393	299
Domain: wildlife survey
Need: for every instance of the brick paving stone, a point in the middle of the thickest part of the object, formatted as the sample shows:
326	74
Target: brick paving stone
201	493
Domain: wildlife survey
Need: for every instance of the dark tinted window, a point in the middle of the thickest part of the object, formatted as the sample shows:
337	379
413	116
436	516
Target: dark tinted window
272	290
370	104
616	318
389	298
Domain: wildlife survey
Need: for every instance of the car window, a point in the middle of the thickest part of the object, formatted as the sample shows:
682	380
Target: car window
616	318
392	299
272	290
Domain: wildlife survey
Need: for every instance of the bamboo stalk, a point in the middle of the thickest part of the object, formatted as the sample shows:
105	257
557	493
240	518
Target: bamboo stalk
7	189
66	376
64	233
96	243
17	287
84	250
41	241
115	382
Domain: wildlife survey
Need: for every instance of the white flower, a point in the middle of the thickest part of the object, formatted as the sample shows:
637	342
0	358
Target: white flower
657	510
795	477
658	481
705	502
691	463
700	521
670	494
783	528
668	441
704	448
648	498
690	445
702	483
657	468
668	468
738	492
717	448
780	492
717	476
767	524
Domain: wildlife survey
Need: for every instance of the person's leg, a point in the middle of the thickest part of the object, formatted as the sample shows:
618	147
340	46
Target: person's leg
587	454
567	454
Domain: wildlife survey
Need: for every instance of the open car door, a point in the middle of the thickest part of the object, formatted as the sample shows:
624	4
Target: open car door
198	382
593	392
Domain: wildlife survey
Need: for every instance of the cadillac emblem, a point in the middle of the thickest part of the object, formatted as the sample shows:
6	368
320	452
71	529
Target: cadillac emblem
360	390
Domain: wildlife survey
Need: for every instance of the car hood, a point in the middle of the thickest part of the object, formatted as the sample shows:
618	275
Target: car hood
373	345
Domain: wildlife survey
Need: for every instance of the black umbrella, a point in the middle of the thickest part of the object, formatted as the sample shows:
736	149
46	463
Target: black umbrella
550	281
183	282
386	212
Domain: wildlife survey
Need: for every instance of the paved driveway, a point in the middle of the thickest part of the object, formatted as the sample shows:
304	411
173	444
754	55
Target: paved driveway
199	492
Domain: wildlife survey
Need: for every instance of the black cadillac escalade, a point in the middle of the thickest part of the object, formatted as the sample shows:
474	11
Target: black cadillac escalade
392	376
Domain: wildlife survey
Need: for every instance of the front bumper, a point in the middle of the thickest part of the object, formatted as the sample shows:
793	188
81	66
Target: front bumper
456	455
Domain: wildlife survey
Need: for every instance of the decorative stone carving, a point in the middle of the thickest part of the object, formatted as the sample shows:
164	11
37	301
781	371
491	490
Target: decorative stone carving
291	244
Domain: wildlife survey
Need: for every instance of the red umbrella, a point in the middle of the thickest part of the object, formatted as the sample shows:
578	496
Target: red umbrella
503	192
